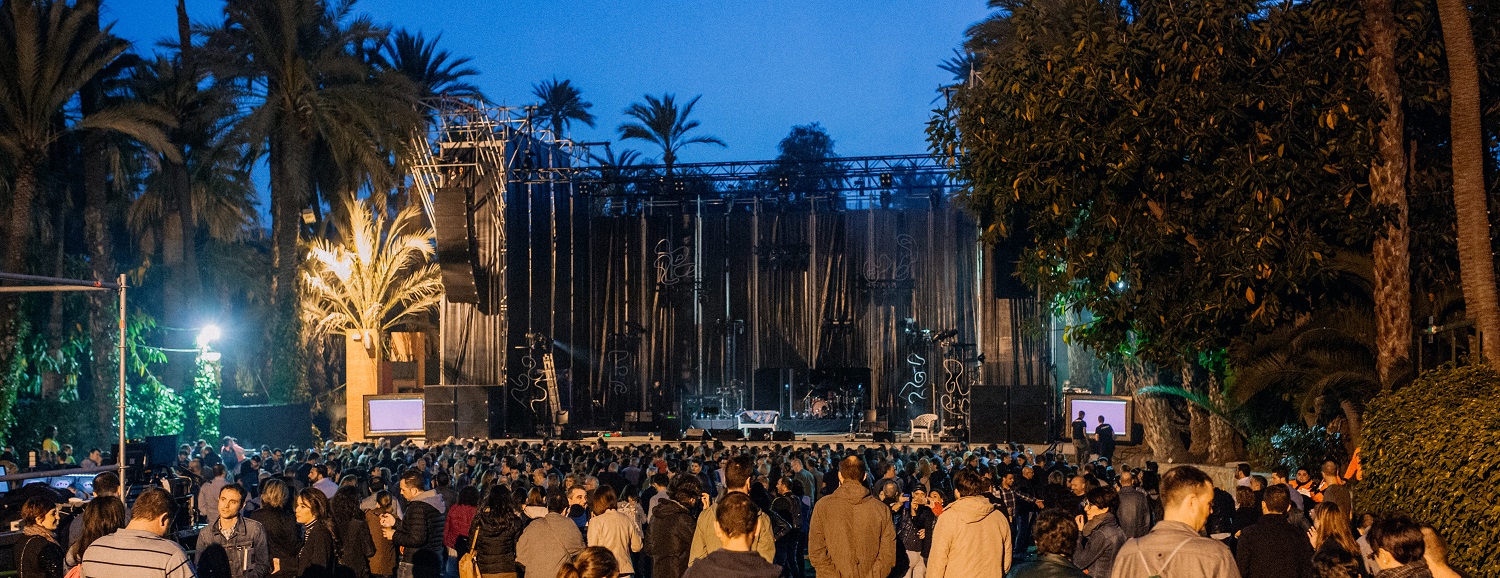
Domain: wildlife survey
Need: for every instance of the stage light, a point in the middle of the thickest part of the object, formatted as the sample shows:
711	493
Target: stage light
211	356
209	334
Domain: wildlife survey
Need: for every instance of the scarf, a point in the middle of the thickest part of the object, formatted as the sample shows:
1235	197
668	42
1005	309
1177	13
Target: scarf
37	530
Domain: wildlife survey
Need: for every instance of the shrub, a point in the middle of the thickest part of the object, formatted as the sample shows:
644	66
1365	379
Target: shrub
1430	451
1298	446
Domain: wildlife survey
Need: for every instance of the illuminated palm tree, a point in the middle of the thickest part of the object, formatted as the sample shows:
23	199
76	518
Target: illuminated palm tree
662	123
561	104
375	276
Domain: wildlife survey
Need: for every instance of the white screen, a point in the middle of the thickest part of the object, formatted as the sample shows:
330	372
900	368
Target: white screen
395	415
1113	411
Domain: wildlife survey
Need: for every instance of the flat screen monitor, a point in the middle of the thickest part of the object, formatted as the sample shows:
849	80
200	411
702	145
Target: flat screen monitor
4	486
1116	412
394	415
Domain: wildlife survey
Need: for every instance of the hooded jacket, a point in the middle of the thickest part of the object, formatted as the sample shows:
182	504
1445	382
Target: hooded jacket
970	539
851	535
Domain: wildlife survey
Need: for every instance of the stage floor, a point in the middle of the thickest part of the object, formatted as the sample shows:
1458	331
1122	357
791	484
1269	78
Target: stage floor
800	426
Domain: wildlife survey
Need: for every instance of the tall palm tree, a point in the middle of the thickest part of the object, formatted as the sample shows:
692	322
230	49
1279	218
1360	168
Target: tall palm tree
313	93
308	84
661	122
1392	253
561	104
1475	251
436	72
47	54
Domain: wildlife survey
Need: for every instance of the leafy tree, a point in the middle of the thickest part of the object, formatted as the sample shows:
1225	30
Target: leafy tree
560	104
804	162
661	122
1184	170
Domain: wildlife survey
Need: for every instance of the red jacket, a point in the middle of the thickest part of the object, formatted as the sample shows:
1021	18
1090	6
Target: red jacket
459	519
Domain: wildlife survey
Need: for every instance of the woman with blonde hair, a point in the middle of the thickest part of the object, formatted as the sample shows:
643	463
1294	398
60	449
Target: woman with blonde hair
591	562
283	534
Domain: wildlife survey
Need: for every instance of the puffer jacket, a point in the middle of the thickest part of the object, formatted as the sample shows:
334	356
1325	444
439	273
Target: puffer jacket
971	538
671	538
493	540
421	529
851	535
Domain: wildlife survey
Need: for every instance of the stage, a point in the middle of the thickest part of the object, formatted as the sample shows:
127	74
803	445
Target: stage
800	426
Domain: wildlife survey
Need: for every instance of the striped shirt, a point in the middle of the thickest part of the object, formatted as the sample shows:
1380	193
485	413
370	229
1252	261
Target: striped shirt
136	554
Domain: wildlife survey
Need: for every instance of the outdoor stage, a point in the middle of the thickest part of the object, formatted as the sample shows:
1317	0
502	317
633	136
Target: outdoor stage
799	426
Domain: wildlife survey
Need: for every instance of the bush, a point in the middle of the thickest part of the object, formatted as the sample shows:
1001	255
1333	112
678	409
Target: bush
1430	451
1298	446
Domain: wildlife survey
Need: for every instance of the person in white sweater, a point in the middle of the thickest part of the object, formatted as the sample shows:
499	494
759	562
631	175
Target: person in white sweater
614	530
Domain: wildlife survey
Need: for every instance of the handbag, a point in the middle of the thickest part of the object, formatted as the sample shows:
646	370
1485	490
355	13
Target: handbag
467	566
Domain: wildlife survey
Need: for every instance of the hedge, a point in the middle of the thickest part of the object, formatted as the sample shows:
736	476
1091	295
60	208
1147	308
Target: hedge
1431	450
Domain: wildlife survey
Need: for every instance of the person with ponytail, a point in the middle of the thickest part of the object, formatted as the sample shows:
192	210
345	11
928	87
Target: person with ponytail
591	562
317	558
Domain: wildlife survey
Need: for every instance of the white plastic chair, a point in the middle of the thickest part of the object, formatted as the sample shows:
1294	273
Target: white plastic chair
921	427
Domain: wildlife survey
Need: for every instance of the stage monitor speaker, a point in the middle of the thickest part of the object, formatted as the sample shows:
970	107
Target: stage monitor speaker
460	411
727	435
884	437
696	433
989	402
783	436
759	435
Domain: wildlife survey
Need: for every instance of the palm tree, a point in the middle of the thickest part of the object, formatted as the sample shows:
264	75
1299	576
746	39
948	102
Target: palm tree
561	104
378	274
1392	252
299	59
435	72
662	123
47	55
313	94
1475	252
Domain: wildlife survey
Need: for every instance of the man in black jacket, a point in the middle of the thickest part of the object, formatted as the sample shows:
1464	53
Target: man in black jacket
1272	546
420	532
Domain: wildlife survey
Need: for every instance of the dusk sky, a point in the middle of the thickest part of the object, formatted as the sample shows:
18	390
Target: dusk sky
868	71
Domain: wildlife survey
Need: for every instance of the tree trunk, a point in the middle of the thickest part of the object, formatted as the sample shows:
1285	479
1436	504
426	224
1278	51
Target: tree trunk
1475	253
1225	444
289	169
52	380
104	306
1388	187
1199	433
1154	413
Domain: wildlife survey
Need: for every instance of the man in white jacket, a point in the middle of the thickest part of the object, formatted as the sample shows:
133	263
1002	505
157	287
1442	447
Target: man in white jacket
971	538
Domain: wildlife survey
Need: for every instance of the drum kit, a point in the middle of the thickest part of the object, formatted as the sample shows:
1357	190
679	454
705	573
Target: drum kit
826	403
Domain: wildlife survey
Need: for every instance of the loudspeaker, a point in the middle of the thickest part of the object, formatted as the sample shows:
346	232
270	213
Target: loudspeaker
987	404
759	435
783	436
457	249
461	411
1030	406
769	387
696	433
884	436
136	456
727	435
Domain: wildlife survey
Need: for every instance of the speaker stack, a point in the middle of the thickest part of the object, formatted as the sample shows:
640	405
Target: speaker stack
460	411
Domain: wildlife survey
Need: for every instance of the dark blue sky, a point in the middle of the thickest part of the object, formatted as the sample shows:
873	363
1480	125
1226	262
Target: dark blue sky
867	70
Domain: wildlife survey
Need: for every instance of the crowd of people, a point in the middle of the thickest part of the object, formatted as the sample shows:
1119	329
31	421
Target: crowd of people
512	509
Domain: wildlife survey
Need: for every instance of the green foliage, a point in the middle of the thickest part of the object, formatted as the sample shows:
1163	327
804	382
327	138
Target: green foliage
1217	148
803	165
662	122
202	402
1298	446
1430	451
